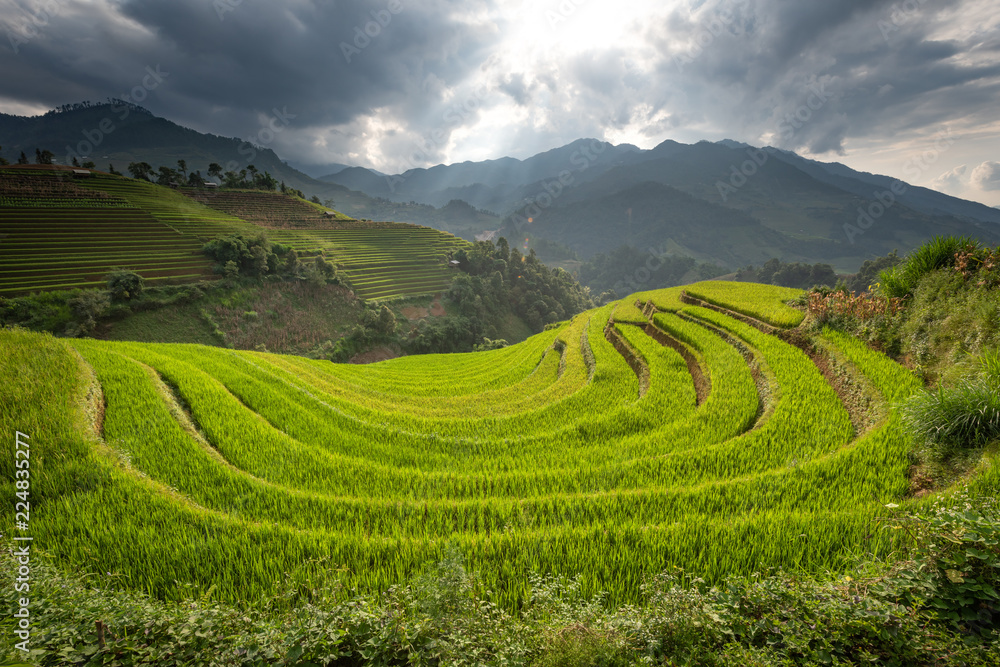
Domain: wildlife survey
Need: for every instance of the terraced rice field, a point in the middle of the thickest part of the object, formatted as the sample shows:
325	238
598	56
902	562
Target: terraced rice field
380	259
57	232
267	209
60	233
608	448
393	260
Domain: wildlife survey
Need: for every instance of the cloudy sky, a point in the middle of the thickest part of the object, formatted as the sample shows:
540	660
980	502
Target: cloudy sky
909	88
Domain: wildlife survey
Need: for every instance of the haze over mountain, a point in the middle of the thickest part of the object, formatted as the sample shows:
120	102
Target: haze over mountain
580	195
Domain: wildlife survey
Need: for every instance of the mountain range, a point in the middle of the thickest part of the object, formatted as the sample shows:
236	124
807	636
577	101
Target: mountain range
725	202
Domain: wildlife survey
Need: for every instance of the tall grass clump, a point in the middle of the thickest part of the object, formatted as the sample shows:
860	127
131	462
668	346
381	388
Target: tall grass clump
965	416
899	281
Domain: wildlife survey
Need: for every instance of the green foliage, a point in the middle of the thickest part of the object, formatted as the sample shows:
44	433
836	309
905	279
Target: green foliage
44	156
490	344
87	308
989	365
451	334
124	285
901	279
951	568
500	280
250	256
322	272
624	269
868	275
140	170
797	274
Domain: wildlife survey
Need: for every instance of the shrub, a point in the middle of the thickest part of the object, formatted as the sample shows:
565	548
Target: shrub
124	285
952	419
87	308
900	280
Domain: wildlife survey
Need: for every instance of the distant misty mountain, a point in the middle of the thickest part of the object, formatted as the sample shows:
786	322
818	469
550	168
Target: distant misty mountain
743	203
916	197
491	184
317	171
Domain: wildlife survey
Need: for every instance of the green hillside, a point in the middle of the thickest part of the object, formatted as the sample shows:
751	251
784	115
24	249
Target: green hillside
58	231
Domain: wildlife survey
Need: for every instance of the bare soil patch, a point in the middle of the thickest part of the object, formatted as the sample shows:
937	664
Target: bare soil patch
375	355
413	313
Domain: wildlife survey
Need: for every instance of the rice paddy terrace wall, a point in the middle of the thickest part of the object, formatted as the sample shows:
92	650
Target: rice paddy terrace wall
561	455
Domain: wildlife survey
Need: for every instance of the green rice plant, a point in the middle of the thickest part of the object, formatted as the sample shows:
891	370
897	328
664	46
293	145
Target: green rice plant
628	312
767	303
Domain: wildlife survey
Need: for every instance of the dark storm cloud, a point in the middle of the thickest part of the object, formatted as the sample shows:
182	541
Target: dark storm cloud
410	80
231	60
813	74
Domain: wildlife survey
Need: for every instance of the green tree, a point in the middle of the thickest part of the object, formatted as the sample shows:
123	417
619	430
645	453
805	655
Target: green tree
124	285
140	170
167	176
44	156
231	179
87	308
292	265
231	270
386	321
182	167
23	159
252	257
215	170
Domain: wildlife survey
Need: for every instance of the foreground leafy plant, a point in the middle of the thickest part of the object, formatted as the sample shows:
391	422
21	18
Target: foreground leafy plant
952	566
